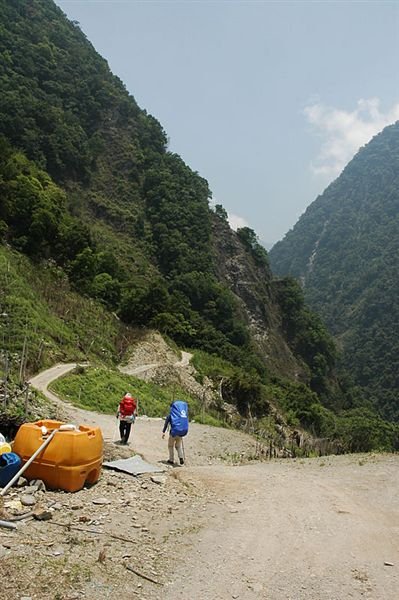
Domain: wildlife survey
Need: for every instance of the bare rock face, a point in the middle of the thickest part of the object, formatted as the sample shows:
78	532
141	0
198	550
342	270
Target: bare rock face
151	350
254	287
151	359
231	412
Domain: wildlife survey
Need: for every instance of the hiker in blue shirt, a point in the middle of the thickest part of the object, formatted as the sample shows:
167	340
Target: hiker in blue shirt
177	421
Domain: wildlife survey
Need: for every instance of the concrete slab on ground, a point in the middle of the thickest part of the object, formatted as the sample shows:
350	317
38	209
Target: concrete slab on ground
134	465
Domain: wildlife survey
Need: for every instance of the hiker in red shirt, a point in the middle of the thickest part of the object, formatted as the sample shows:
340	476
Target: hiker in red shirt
126	414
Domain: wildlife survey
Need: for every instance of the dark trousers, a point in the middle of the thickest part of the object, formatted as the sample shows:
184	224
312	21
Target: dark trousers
124	430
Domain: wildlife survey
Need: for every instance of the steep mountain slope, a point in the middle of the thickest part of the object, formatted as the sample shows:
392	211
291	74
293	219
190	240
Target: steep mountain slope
94	199
345	250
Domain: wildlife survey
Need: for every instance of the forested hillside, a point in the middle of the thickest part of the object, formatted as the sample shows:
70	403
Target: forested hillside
104	230
345	250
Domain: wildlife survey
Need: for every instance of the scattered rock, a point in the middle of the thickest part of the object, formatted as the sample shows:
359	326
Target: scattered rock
159	479
14	505
28	500
101	556
101	501
39	484
42	515
22	482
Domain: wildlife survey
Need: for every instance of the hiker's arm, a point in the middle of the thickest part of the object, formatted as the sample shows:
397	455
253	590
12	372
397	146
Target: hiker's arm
167	421
118	410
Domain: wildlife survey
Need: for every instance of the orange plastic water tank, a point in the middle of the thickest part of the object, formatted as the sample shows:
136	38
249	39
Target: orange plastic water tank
71	459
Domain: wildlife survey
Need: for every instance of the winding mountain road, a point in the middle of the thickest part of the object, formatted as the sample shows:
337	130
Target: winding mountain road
315	529
182	363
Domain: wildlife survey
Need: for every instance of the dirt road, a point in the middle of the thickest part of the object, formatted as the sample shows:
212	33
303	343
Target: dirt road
315	529
204	446
137	370
321	529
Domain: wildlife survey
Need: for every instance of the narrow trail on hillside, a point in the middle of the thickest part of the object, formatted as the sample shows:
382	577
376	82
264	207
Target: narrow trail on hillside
182	363
315	529
204	445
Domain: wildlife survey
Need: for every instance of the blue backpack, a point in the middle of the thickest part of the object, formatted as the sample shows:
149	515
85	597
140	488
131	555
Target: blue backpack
179	418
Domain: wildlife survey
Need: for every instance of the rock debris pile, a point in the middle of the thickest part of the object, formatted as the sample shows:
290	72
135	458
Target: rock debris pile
111	539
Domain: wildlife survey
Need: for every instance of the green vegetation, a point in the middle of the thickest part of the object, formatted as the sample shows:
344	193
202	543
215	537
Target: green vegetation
209	419
251	243
22	404
306	334
212	366
43	321
101	390
105	232
363	431
345	249
348	430
126	220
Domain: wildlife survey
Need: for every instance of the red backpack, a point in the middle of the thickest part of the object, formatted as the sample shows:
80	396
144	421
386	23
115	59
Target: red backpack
127	406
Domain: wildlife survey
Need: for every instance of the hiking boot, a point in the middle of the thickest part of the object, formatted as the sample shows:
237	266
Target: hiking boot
182	461
170	462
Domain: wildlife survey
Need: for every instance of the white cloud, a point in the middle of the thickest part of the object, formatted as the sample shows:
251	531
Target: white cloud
344	132
236	222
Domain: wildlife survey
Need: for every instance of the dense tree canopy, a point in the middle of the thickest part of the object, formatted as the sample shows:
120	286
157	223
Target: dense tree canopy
345	249
90	190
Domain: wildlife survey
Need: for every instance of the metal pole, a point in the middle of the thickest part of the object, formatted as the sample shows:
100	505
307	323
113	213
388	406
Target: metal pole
26	399
22	365
6	379
64	427
8	525
26	465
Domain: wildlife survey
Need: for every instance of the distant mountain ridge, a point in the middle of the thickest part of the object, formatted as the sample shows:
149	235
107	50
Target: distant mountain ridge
345	251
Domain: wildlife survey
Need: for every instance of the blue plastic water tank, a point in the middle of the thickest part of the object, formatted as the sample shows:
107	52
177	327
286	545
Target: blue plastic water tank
10	464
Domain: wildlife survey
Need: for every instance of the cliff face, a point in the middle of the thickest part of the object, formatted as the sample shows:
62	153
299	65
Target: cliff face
94	198
255	290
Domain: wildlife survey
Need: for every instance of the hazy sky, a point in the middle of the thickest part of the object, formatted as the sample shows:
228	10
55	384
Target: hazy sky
266	100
